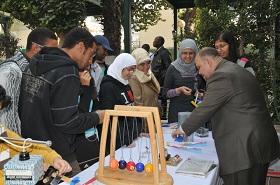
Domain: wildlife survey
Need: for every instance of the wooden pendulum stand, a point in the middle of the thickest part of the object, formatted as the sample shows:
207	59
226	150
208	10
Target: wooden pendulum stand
113	176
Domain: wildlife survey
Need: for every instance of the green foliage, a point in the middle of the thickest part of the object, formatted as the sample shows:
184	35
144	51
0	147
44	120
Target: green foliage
146	13
62	15
188	16
8	43
252	22
275	98
57	15
210	22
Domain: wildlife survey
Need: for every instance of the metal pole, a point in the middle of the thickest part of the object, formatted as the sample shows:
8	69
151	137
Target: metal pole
127	26
175	32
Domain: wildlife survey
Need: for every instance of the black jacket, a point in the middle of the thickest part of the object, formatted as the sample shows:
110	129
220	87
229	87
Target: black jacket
180	103
160	63
112	92
49	102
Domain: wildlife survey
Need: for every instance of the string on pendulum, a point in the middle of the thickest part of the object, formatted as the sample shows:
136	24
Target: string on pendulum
137	133
146	146
121	140
122	162
130	140
130	164
148	150
114	164
139	146
144	131
144	126
139	166
148	167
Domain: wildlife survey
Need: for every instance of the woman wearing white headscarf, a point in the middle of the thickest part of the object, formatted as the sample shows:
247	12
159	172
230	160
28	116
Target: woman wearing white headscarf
181	80
115	90
143	83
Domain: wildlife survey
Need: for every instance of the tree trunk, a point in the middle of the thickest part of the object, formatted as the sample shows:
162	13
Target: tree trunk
189	19
112	23
277	38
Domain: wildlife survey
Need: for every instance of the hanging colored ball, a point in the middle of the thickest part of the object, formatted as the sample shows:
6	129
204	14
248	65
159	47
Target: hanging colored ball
114	163
148	168
140	167
179	139
130	166
122	164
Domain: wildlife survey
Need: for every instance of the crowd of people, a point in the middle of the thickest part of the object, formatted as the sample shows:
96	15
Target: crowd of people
60	94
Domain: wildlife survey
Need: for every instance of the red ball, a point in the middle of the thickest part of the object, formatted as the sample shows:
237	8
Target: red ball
130	166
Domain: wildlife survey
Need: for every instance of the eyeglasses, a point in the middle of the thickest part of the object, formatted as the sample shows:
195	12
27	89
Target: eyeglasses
39	45
131	68
220	46
147	62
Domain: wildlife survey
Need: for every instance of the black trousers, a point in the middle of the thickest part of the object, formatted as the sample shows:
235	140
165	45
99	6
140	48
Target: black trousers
87	151
252	176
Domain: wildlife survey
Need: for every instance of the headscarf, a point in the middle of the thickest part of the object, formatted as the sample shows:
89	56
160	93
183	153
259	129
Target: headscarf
142	56
121	61
184	68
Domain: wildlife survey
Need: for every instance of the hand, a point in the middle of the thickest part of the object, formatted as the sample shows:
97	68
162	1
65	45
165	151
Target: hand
85	78
101	114
177	132
184	90
199	94
61	165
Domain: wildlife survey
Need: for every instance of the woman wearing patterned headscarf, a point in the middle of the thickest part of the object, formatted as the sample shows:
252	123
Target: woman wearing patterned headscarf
181	80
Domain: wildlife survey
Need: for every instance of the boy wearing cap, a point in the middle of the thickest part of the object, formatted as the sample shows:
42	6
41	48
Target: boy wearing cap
99	67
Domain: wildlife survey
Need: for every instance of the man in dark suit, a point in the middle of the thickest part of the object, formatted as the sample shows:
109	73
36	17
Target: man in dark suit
161	59
245	138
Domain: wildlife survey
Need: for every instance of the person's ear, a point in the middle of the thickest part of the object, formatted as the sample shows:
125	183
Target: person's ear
35	48
208	61
81	47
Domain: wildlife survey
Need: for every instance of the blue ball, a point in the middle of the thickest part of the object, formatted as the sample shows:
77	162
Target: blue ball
140	167
179	139
122	164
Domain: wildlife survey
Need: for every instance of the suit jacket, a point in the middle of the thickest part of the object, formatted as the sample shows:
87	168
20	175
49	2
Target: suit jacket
160	63
242	128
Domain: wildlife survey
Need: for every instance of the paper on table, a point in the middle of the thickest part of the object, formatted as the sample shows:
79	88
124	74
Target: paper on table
197	167
184	144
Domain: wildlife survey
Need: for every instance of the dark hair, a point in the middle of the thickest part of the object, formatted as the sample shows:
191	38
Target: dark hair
208	51
230	39
161	40
146	47
77	35
39	36
4	99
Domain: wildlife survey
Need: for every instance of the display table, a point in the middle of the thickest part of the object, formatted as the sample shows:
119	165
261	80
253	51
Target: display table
206	151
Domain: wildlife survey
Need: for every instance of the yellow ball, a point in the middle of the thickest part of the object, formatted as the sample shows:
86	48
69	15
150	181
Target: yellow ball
114	163
148	168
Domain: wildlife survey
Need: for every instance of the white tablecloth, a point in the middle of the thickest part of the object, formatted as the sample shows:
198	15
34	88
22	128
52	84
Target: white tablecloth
206	151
